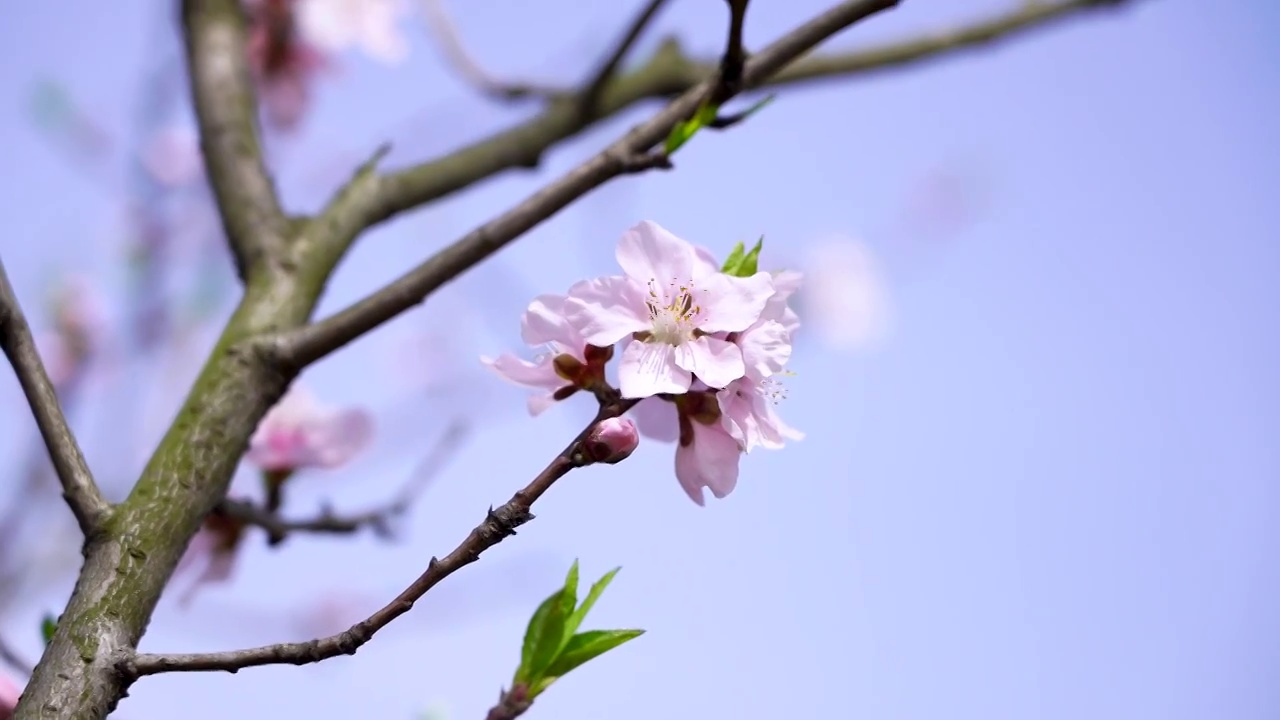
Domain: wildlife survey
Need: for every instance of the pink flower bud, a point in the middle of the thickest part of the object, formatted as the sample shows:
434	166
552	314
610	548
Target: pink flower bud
612	440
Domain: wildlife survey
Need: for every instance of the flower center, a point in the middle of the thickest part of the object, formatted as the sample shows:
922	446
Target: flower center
673	312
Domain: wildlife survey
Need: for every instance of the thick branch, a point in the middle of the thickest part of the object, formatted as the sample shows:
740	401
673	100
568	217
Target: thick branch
311	343
497	525
78	487
227	110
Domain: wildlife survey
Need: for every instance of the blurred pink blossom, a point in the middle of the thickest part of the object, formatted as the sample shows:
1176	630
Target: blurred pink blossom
215	546
78	319
846	297
371	25
301	433
9	694
172	156
284	64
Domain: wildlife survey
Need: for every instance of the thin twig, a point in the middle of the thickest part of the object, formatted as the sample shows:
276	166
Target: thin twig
379	519
301	347
445	30
227	111
498	524
669	72
589	97
78	487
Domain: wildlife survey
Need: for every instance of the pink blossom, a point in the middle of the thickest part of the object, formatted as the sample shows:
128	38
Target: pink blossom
672	302
216	545
747	404
612	440
544	325
283	63
172	156
372	25
712	435
9	695
301	433
846	298
77	332
708	458
657	419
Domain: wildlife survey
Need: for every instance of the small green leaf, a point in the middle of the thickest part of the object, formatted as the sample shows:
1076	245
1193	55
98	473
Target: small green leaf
582	648
743	265
571	585
542	638
732	262
686	129
751	263
48	626
575	620
757	107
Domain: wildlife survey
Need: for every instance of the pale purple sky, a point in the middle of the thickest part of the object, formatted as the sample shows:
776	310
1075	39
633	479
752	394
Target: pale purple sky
1052	493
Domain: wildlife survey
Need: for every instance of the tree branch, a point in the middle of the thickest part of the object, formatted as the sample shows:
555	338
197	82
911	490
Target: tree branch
305	345
78	487
227	111
497	525
670	72
455	53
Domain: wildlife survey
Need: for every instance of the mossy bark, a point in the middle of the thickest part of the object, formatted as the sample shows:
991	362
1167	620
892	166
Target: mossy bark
128	564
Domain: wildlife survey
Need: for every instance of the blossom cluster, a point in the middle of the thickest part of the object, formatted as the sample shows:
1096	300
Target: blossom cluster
702	347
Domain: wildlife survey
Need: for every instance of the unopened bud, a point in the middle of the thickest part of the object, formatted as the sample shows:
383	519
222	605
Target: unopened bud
612	440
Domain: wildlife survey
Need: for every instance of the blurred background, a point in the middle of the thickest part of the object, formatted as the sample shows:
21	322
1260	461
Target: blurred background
1037	370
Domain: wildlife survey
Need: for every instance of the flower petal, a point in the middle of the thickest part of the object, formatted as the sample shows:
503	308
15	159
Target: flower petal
543	322
538	404
541	375
716	362
766	348
710	461
650	369
732	304
339	437
607	309
656	419
650	252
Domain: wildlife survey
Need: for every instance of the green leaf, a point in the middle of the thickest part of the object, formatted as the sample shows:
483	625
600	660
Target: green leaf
542	638
571	586
575	620
732	262
48	626
743	265
757	107
686	129
580	649
751	263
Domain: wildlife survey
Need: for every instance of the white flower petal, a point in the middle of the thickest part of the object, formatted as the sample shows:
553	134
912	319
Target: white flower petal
606	309
648	369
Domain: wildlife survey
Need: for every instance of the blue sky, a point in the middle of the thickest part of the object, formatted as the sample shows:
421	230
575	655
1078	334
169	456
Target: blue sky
1052	493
